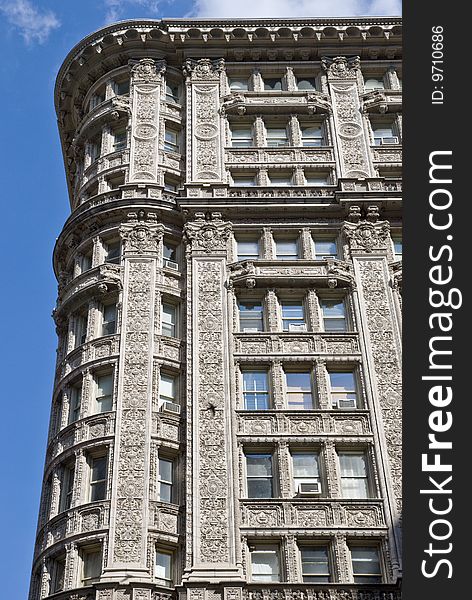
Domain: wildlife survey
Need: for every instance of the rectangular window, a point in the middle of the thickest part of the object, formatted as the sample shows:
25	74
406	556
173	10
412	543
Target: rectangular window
113	252
273	84
122	87
243	181
248	249
276	137
170	256
374	83
293	316
167	389
306	473
171	141
81	330
67	484
98	478
238	84
104	393
97	98
58	570
75	401
286	249
265	563
95	149
383	134
334	315
166	479
172	93
312	135
397	248
280	179
259	476
241	137
250	316
366	566
299	391
91	565
354	478
325	248
163	571
315	179
119	140
108	320
256	390
85	262
315	564
169	320
169	186
306	83
343	389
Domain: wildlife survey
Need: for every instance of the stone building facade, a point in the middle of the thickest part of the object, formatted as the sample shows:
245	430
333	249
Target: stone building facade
226	417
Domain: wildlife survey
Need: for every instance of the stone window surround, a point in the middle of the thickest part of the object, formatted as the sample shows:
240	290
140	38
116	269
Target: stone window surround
393	119
288	74
107	81
319	369
389	75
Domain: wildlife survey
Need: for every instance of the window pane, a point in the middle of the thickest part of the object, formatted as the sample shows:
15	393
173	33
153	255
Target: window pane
286	249
305	465
325	249
354	482
113	252
299	394
168	320
366	564
164	566
250	316
342	381
352	465
334	316
92	565
259	465
374	84
99	468
273	84
307	83
265	565
238	84
248	249
315	564
165	480
167	387
169	252
244	181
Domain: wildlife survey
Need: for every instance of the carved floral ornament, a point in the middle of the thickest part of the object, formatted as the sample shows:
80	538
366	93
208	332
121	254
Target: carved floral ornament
141	237
148	70
204	69
208	233
341	67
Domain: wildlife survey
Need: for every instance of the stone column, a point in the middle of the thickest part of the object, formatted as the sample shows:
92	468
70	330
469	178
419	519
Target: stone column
350	137
205	127
381	349
146	84
130	491
211	535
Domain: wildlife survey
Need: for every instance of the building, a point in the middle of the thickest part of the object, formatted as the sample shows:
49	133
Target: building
226	416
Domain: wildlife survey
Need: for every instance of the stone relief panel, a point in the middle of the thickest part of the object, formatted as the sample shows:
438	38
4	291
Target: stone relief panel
146	84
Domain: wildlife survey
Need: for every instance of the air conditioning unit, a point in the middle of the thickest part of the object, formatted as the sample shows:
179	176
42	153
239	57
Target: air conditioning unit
345	403
250	330
170	407
295	327
170	264
309	489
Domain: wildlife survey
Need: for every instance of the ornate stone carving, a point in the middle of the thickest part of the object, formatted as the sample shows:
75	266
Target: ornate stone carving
341	67
208	233
366	236
204	69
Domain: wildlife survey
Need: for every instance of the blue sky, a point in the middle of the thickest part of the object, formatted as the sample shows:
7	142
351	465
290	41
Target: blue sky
35	36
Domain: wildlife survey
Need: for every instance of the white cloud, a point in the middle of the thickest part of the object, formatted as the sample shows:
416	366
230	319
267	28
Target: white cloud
116	8
34	23
295	8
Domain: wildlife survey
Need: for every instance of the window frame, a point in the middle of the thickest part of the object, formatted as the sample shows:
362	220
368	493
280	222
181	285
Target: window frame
355	391
343	319
246	142
288	393
312	141
172	326
75	392
326	239
87	551
367	478
313	578
262	548
357	544
122	143
248	240
169	483
276	141
91	459
67	486
175	389
286	239
265	393
100	399
106	323
261	453
159	550
114	248
171	146
297	479
286	321
259	319
58	572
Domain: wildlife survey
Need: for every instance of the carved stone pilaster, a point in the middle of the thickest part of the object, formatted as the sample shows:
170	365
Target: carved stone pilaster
70	566
291	559
283	459
256	81
259	132
307	246
313	310
342	560
290	80
350	136
294	130
322	384
145	92
205	126
272	311
267	242
277	384
332	475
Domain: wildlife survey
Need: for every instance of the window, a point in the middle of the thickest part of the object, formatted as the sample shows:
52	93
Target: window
91	565
255	390
250	316
265	564
343	389
163	571
286	249
241	137
113	252
243	181
98	478
238	84
103	393
259	475
248	249
81	329
108	320
334	315
280	179
325	248
306	83
172	92
122	87
374	83
299	392
58	569
75	401
95	148
85	262
354	479
169	253
171	141
167	389
273	84
312	135
366	564
166	479
306	471
276	137
383	134
97	98
313	178
67	483
119	140
397	248
169	320
293	316
315	564
169	186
